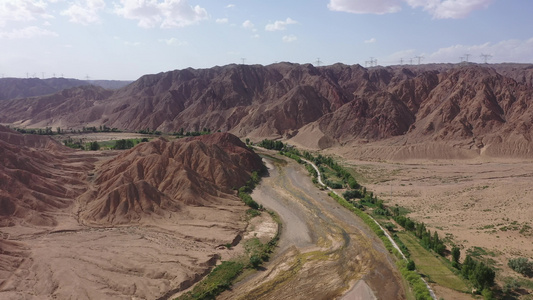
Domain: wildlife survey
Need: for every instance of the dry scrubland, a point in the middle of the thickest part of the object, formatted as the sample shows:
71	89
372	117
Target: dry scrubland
474	203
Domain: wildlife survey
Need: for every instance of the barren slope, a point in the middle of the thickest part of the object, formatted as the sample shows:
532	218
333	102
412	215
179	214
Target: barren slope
60	209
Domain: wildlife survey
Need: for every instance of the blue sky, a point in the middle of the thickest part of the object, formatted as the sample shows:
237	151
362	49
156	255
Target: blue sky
125	39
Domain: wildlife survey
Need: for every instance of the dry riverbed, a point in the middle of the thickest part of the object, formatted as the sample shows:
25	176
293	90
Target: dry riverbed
325	252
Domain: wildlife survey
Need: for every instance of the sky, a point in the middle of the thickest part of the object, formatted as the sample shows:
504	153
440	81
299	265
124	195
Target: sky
125	39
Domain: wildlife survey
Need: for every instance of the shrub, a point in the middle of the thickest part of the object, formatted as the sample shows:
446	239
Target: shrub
351	194
255	261
521	265
411	265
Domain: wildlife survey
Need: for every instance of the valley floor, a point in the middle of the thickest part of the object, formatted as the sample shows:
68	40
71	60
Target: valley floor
324	252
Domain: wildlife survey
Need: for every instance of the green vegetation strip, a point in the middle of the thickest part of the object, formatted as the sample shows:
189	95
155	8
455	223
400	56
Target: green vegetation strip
415	280
432	266
216	282
222	276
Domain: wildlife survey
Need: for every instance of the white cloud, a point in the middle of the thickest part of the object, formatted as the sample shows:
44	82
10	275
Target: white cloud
27	33
289	38
503	51
366	6
222	21
450	9
230	6
279	25
166	13
22	10
173	42
248	25
370	41
439	9
85	12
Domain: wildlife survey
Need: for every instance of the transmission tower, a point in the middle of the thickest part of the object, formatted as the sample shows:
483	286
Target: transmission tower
318	62
466	57
401	61
419	58
372	62
243	60
486	57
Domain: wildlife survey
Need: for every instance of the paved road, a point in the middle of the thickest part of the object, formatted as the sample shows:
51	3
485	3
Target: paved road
324	251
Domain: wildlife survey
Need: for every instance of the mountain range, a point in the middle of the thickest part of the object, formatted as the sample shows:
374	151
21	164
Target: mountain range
483	108
13	88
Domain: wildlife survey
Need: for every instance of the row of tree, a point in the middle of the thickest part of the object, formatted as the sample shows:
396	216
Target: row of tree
427	240
341	172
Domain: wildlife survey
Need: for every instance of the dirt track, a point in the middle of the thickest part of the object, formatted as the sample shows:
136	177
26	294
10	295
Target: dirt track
324	252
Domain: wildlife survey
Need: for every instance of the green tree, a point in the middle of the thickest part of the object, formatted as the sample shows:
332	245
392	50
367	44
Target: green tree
94	146
411	265
456	254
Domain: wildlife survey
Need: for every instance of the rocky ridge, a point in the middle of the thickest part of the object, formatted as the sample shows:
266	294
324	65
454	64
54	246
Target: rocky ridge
481	108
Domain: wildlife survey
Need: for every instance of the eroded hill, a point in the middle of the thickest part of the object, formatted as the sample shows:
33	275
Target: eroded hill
140	224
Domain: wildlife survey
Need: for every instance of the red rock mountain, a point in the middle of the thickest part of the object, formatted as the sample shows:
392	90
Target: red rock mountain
160	177
483	107
38	176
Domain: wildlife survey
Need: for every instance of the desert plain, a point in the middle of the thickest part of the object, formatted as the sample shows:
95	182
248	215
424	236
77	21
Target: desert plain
480	202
